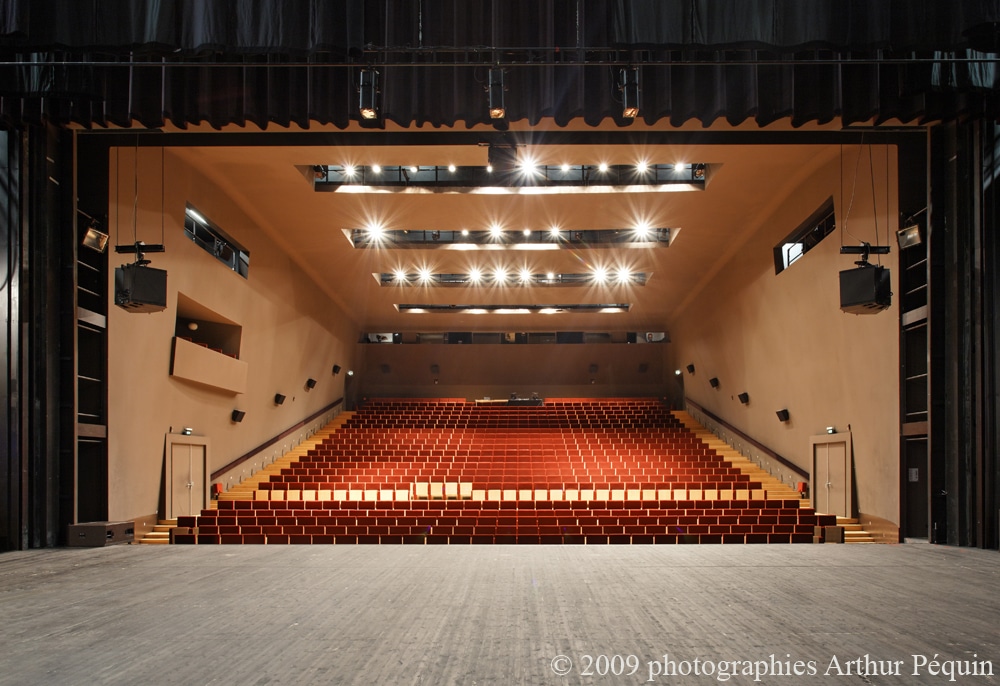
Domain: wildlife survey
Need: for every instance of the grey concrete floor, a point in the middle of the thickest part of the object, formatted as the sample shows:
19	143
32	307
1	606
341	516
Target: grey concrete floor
500	615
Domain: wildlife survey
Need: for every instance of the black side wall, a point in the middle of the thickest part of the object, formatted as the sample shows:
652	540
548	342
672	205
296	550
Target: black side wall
964	374
36	477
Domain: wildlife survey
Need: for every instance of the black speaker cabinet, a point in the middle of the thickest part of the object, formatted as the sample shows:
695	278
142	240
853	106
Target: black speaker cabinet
99	534
139	288
865	290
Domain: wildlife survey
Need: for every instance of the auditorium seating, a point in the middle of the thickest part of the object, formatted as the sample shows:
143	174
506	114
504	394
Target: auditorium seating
454	472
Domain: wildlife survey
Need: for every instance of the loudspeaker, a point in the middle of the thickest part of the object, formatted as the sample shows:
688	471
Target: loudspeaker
336	369
782	415
690	369
238	415
713	382
310	383
865	290
278	398
744	398
139	288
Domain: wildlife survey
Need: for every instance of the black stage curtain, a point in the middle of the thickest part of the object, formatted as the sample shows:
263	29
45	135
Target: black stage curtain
296	62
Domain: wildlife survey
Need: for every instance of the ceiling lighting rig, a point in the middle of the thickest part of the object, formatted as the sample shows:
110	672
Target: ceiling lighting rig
496	238
555	177
501	278
596	308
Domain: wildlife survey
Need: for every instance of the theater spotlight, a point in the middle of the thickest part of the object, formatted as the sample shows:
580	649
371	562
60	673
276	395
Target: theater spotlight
909	236
336	369
495	90
629	86
368	94
95	239
713	382
278	399
310	383
238	416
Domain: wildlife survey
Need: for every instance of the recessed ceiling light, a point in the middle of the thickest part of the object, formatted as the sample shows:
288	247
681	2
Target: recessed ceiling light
489	168
500	275
496	231
602	167
527	232
565	167
399	275
624	275
600	274
465	232
424	274
555	232
413	170
376	169
451	168
475	275
642	167
349	170
525	275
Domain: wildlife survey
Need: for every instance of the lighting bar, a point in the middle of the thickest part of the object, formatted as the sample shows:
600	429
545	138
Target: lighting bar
481	277
334	177
604	308
498	239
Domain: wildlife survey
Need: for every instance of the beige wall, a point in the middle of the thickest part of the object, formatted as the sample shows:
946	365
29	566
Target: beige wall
497	370
291	332
784	340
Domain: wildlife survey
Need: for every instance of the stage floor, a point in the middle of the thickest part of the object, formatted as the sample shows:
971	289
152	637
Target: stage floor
789	614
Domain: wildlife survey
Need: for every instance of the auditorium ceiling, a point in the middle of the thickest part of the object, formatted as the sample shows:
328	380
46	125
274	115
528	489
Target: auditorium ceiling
747	176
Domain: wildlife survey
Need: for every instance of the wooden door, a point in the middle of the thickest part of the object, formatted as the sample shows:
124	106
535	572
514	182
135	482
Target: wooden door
831	474
187	475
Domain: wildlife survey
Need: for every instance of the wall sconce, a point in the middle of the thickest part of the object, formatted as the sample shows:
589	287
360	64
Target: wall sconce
782	415
744	397
238	416
831	429
278	399
310	383
336	369
713	382
690	369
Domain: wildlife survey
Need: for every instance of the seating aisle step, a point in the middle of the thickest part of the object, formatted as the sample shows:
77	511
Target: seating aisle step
160	535
853	531
246	488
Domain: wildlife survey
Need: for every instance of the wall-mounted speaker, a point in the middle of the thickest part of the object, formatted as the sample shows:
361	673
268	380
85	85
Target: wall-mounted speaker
593	369
744	398
238	416
310	383
782	415
435	369
336	369
278	399
713	382
690	369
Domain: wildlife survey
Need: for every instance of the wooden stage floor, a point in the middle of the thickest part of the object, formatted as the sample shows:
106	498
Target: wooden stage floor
499	614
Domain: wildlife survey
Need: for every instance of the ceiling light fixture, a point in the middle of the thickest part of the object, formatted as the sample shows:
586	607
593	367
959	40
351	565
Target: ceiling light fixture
368	94
629	85
495	90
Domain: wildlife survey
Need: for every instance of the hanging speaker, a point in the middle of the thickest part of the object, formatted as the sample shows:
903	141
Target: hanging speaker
139	288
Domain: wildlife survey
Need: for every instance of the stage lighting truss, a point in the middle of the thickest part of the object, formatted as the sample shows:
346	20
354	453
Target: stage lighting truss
595	308
511	239
511	279
519	178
